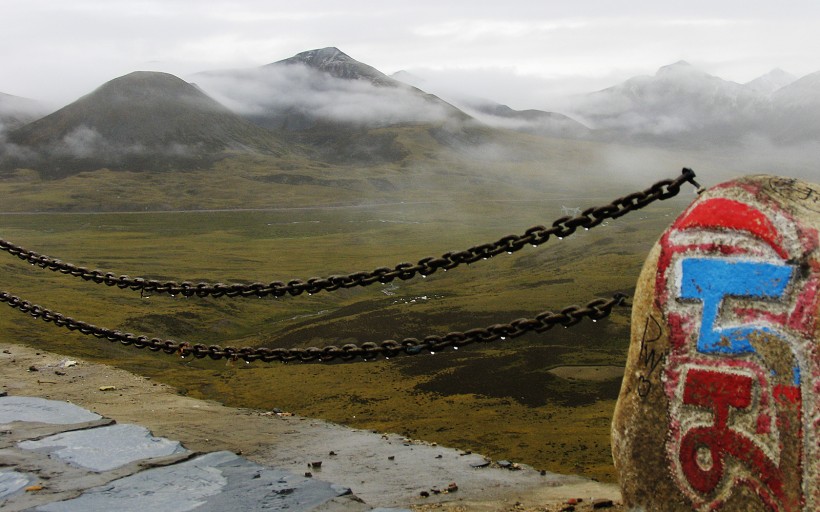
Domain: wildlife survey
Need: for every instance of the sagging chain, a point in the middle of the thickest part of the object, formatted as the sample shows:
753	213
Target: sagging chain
535	236
595	309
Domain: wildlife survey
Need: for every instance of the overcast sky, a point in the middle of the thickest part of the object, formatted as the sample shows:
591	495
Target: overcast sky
518	52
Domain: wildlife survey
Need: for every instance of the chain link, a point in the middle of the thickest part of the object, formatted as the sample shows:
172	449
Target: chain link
535	236
595	309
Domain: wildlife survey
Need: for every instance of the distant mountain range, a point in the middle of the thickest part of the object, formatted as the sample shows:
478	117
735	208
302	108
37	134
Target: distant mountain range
330	106
683	106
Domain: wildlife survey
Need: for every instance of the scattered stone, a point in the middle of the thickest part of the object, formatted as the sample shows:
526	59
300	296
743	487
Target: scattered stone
308	474
453	487
568	508
602	503
33	368
424	494
391	457
317	464
504	464
439	456
332	453
34	488
574	501
108	388
58	372
719	400
482	464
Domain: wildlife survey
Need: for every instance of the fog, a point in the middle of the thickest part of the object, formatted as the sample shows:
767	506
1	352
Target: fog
276	91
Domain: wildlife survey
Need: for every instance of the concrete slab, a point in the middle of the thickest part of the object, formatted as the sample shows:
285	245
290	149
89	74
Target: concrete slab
105	448
212	482
40	410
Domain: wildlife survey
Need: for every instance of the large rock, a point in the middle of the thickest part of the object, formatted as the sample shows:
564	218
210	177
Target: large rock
718	408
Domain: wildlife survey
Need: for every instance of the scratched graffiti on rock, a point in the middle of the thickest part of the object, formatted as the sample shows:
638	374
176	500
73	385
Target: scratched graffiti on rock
740	374
649	357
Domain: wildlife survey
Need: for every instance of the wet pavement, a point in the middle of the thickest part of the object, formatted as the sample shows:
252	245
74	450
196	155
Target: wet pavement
58	457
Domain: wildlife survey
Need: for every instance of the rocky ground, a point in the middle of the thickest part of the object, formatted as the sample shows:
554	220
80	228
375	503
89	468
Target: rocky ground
382	469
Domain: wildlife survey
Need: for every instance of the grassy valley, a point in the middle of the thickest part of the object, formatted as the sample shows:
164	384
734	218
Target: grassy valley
117	181
505	399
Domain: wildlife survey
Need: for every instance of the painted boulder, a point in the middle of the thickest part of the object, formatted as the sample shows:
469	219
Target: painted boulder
719	405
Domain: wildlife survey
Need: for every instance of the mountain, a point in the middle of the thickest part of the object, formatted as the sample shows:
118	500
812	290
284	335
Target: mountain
143	120
344	110
537	122
491	113
796	111
321	88
680	105
771	81
336	63
16	111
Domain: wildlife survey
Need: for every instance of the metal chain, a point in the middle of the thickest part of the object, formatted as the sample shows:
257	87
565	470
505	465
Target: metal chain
535	236
595	309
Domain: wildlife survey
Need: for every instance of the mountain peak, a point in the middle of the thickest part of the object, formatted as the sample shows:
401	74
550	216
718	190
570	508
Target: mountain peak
676	68
338	64
152	87
322	57
771	81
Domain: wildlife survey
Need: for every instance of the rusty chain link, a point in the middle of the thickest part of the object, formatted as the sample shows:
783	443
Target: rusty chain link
595	309
535	236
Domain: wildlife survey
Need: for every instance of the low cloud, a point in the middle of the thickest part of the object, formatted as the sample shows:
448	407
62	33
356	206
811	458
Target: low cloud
278	91
84	148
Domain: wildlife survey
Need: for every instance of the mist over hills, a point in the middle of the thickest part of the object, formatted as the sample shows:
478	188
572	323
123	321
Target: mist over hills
682	106
143	120
497	115
344	110
323	87
16	111
325	108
